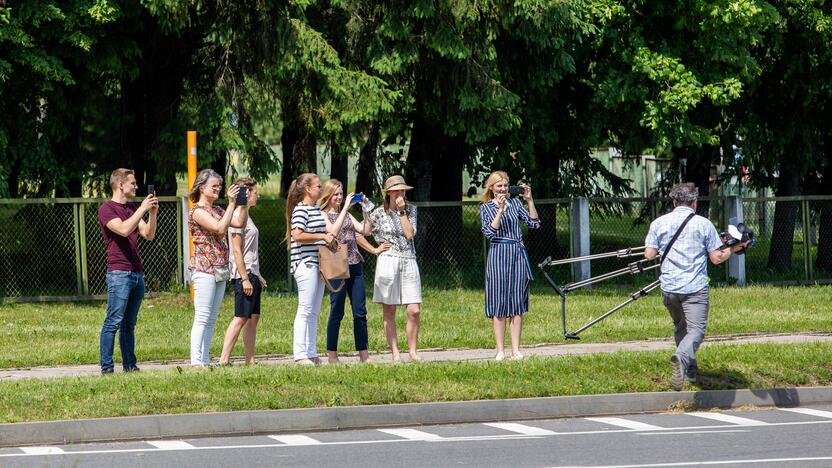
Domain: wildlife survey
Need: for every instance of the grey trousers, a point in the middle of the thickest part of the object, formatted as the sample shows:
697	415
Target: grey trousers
690	318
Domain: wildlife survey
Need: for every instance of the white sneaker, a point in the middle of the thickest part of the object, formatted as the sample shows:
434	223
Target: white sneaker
500	356
517	357
305	362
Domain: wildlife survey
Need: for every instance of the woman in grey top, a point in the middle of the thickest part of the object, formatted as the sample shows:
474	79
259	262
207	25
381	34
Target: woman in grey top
397	278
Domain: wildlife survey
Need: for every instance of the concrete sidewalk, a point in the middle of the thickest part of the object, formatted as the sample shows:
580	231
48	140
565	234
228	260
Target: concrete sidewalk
434	355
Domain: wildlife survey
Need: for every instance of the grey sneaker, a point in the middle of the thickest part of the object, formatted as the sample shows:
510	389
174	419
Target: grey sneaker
677	379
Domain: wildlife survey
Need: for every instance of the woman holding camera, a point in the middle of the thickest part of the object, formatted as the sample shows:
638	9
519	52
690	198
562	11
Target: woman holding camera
209	263
344	226
397	273
305	231
248	284
507	271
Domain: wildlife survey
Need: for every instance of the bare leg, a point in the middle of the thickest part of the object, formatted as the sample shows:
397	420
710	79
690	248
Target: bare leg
413	329
332	357
499	324
389	320
250	337
364	355
230	340
516	330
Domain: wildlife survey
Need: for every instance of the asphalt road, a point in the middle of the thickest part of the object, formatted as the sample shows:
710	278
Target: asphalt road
790	437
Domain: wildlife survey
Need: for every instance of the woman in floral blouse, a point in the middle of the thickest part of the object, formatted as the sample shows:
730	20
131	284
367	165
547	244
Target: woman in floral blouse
397	273
209	263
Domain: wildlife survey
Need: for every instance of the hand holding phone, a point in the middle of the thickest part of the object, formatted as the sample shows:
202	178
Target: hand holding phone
242	196
515	190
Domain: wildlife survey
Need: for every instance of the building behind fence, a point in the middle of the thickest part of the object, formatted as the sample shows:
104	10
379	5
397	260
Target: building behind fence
53	249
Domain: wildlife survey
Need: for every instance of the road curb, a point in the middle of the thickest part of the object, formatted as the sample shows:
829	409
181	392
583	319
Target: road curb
357	417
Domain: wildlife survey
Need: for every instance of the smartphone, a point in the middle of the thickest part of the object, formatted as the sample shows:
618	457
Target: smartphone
515	190
357	198
242	196
151	190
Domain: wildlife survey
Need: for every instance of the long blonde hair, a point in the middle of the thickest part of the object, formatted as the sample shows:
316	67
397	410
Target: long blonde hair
492	179
295	195
330	187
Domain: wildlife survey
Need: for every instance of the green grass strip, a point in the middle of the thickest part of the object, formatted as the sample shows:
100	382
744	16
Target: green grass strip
67	333
277	387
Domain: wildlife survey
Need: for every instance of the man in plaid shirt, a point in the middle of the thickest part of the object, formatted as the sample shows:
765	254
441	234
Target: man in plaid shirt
684	275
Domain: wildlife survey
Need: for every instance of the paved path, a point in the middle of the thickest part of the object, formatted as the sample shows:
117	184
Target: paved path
431	355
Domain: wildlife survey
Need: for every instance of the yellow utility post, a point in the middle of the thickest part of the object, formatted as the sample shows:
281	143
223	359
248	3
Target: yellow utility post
191	178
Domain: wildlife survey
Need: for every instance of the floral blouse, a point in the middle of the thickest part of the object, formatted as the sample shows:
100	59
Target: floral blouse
347	236
210	249
388	228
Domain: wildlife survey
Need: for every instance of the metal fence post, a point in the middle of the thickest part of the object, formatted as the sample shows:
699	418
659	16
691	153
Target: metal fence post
180	268
76	234
736	263
184	248
82	243
807	243
579	234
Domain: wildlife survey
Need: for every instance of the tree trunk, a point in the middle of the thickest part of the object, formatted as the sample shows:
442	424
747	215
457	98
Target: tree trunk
824	260
150	102
339	164
785	216
543	242
365	178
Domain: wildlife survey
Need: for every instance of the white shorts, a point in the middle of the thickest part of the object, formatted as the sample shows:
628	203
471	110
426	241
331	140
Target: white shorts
397	280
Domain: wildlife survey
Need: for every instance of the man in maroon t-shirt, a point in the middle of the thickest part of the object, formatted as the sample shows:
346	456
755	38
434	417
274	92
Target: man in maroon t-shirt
121	223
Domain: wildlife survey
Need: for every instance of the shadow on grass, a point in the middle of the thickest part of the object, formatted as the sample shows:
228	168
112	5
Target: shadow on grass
729	381
721	379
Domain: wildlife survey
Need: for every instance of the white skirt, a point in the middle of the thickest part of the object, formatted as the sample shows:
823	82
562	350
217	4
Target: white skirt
397	280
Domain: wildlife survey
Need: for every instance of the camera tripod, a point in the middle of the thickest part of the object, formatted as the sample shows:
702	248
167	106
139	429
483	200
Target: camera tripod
631	268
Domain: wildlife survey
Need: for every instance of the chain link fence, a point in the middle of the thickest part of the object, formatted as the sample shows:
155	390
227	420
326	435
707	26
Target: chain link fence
54	248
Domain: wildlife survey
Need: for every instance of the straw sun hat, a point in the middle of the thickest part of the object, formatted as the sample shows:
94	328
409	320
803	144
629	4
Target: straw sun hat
395	182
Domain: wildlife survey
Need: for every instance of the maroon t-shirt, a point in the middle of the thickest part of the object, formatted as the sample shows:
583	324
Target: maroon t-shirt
122	252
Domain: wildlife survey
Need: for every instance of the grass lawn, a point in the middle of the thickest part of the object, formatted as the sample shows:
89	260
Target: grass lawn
68	333
277	387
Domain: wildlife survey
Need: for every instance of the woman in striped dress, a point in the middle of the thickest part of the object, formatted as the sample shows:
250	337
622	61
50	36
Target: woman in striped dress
507	271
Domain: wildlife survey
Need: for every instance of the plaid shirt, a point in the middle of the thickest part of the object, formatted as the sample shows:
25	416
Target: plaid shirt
685	270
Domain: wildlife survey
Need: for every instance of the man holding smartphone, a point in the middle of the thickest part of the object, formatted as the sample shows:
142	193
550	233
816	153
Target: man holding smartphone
121	223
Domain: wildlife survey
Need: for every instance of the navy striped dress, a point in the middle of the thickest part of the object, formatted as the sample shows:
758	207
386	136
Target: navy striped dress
507	269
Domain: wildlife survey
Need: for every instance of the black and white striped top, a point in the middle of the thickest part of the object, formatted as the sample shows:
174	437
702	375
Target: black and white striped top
307	219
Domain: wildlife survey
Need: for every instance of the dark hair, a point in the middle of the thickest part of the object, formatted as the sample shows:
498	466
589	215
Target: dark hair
201	179
295	195
247	182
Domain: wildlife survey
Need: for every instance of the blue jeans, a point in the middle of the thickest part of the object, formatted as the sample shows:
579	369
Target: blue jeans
125	291
355	290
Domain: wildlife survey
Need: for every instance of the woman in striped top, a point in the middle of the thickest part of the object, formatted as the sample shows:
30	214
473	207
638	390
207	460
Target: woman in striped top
507	271
306	230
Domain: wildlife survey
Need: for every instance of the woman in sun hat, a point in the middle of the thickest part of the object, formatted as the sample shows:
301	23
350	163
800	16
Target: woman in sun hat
397	279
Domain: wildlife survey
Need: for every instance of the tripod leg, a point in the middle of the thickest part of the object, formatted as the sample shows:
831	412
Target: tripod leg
634	297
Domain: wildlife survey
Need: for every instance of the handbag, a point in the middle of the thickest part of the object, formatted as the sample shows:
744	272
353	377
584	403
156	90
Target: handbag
333	264
221	273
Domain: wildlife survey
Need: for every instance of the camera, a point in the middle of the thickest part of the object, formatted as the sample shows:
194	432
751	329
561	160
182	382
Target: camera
516	190
242	196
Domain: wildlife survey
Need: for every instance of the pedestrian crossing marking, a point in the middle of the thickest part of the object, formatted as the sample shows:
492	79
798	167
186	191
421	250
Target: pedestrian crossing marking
41	450
740	421
411	434
170	444
295	439
629	424
521	429
809	411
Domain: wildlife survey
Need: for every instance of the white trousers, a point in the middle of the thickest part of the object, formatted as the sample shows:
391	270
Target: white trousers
310	295
207	299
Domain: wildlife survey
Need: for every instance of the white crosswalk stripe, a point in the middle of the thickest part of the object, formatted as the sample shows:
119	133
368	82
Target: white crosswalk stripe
629	424
521	429
809	411
170	444
41	450
411	434
295	439
727	418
